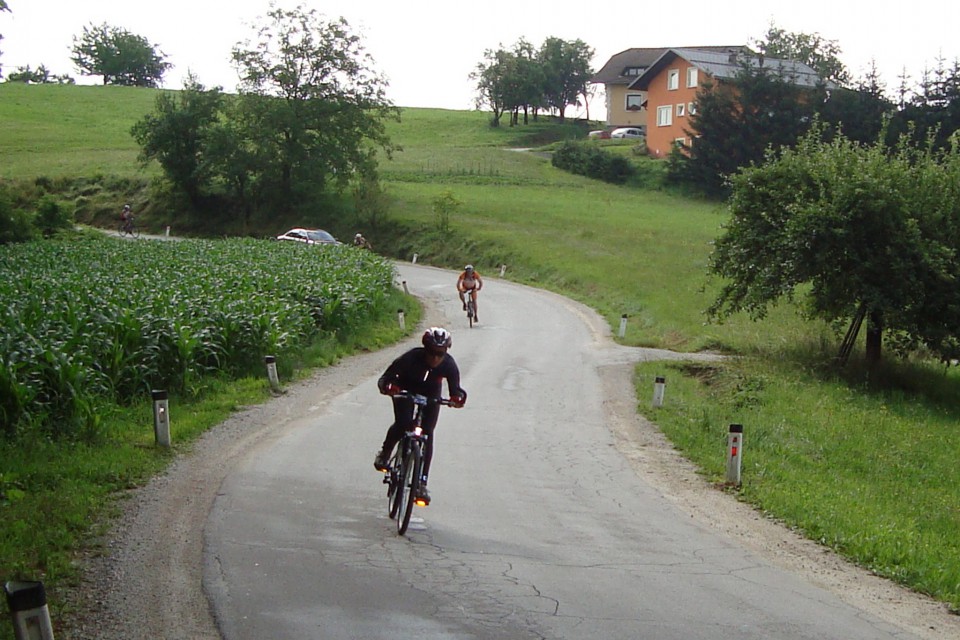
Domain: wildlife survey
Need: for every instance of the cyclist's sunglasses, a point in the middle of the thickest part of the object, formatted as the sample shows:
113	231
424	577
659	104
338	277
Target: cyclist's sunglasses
436	353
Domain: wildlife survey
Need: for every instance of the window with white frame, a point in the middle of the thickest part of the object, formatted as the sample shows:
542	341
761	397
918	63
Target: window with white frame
691	77
692	108
673	79
634	101
679	142
681	110
664	116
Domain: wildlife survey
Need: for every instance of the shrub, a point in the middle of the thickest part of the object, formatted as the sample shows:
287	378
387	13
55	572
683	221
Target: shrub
588	160
52	217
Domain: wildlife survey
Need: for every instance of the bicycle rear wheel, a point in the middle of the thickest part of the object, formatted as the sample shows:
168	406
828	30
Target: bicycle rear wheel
409	484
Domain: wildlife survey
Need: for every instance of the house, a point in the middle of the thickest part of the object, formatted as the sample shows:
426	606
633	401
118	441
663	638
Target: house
671	82
626	106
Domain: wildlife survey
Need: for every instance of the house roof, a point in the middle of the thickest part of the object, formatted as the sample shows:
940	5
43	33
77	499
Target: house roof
726	66
614	71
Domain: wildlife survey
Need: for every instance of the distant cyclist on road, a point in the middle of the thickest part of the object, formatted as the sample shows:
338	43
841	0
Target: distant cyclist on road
126	218
471	281
360	241
420	370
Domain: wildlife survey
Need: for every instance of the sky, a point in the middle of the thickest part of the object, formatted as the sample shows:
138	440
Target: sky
427	48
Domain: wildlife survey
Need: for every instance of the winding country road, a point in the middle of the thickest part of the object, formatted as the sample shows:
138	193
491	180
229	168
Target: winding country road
557	513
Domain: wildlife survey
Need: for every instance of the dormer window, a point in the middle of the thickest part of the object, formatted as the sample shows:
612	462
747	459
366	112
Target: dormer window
633	71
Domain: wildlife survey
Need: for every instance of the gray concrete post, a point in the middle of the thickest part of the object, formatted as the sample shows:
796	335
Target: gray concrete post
161	417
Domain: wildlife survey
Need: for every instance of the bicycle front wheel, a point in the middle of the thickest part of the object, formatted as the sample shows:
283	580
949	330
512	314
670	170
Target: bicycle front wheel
394	484
409	484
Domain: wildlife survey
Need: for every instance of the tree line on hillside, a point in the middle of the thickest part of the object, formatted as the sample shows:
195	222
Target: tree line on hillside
529	80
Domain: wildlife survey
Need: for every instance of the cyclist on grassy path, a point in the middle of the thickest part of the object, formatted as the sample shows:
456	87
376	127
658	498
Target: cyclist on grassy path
471	281
420	370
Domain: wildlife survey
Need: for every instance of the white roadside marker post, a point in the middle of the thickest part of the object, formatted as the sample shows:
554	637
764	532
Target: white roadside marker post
403	322
658	388
623	325
161	417
28	605
271	362
734	454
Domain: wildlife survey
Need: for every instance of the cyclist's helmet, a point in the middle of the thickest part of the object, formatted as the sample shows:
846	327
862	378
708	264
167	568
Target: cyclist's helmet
126	207
468	268
437	338
358	236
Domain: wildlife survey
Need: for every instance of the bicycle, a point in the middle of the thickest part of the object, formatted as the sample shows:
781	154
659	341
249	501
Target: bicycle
404	471
471	307
128	227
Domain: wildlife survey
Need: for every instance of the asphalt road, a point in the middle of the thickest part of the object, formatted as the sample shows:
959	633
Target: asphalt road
540	526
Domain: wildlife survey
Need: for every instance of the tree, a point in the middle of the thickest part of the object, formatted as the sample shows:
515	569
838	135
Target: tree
40	75
737	121
120	57
868	233
493	78
176	135
812	49
566	73
861	111
934	110
311	101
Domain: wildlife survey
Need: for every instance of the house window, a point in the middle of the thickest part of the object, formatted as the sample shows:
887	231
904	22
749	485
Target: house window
679	142
673	79
664	116
691	77
681	110
692	108
634	101
633	71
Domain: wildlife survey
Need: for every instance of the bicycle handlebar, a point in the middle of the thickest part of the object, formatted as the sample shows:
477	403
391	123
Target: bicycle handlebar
422	400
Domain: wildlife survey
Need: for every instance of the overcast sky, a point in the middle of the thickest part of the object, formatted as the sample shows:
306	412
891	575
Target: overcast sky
427	48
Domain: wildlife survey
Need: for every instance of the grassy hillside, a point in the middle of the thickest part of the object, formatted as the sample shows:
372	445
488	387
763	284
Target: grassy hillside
862	462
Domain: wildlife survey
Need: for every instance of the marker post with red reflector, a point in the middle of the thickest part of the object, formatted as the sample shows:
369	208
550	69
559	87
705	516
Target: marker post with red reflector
734	453
659	386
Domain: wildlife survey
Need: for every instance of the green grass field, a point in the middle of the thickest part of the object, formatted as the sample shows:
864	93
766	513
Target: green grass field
865	464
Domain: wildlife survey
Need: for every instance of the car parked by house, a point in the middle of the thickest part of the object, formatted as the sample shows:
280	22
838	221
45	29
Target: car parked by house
600	134
309	236
628	132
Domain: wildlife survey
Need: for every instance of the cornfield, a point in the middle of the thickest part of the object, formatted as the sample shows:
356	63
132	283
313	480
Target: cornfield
98	320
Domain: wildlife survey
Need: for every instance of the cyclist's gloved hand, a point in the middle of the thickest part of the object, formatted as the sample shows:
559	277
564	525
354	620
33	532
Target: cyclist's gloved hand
457	402
391	389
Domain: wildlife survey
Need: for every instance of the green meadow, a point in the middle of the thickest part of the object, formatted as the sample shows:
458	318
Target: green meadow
862	461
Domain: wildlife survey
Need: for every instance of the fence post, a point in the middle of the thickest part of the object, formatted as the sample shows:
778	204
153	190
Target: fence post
161	417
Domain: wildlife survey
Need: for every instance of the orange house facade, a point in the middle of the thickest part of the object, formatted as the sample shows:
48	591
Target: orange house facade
672	81
671	99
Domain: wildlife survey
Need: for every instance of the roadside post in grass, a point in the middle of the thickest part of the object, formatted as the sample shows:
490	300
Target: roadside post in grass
659	386
415	256
271	362
161	417
734	454
405	289
503	269
403	322
623	325
28	605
